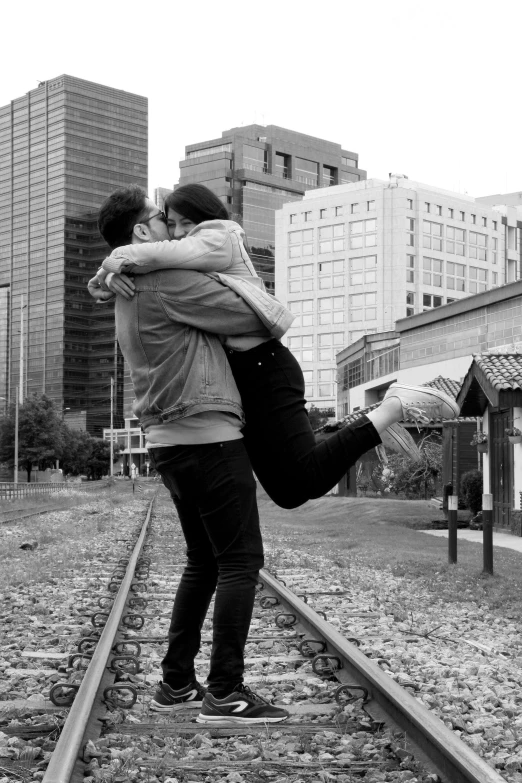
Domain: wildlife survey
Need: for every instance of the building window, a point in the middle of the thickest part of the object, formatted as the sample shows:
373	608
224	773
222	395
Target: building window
463	216
282	165
307	216
331	310
326	378
363	307
410	303
363	233
439	209
302	347
331	238
484	222
363	270
494	278
450	212
323	213
432	272
329	176
455	239
331	274
303	311
354	209
410	269
477	246
427	206
494	247
255	158
429	301
308	376
306	171
338	211
455	276
293	218
495	225
409	203
473	218
410	228
432	233
478	280
329	345
349	162
370	206
300	243
300	278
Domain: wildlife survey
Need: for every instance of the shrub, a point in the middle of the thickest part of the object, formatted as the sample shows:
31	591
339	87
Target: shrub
471	489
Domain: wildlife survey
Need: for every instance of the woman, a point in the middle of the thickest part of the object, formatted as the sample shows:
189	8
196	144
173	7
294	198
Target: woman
288	462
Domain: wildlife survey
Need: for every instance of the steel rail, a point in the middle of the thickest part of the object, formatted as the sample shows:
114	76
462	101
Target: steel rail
66	753
454	761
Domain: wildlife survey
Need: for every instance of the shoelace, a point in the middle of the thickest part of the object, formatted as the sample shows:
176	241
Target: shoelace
251	695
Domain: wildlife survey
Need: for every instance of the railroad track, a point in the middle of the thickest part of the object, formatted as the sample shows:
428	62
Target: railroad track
109	682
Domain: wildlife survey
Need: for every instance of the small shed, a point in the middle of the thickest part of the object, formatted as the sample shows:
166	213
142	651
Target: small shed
492	389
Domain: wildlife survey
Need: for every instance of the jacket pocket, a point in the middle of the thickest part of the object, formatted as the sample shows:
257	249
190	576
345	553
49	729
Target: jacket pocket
208	375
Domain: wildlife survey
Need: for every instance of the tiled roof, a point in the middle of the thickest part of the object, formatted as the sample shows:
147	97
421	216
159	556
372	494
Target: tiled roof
503	370
447	385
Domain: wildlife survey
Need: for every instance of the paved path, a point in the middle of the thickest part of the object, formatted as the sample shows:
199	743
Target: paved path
499	539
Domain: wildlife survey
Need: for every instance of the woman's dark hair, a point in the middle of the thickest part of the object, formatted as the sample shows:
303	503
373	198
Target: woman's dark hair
119	213
196	203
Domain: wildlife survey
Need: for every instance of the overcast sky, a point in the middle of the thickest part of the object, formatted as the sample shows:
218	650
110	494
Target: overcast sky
430	90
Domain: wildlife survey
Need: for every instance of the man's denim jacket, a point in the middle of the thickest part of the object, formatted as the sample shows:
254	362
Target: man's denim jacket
168	334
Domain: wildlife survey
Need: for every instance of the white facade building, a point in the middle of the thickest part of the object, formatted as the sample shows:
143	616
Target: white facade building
353	259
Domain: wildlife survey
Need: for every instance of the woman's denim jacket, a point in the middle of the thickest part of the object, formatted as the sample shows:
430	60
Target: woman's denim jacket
168	334
215	247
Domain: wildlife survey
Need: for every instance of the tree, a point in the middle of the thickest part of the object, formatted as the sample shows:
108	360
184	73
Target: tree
40	435
99	461
77	451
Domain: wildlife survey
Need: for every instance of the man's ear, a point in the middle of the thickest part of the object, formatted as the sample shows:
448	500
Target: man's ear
140	233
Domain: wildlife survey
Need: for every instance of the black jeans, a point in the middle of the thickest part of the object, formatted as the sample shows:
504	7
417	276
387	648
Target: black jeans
214	492
288	461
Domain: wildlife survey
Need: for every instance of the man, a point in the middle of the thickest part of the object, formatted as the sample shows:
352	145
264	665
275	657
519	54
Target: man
190	409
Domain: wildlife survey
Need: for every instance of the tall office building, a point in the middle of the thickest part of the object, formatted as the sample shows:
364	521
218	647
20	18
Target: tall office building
256	169
64	147
355	258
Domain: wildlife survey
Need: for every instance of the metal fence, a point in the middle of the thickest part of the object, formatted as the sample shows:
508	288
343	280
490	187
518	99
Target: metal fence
11	491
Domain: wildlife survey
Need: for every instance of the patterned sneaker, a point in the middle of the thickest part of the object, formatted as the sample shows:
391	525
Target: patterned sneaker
166	699
397	438
242	706
422	403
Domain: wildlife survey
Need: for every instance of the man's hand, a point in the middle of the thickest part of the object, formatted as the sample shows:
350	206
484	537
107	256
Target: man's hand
97	292
120	284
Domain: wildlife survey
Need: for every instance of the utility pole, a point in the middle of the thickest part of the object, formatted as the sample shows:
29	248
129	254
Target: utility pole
112	427
20	394
16	439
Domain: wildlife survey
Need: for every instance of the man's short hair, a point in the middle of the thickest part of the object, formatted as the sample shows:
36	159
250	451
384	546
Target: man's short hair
119	213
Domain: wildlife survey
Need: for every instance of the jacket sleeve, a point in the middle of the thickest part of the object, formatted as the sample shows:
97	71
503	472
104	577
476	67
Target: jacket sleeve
204	249
202	302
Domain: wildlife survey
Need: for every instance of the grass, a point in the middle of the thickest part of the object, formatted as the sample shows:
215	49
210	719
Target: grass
70	539
383	534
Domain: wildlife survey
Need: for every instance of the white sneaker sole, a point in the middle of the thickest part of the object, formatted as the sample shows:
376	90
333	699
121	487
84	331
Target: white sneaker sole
184	705
221	720
401	442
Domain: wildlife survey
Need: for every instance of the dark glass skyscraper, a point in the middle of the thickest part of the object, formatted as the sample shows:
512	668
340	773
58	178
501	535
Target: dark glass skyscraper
256	169
63	148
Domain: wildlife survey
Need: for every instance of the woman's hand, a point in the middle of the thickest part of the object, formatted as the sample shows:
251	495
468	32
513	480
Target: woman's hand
97	292
120	284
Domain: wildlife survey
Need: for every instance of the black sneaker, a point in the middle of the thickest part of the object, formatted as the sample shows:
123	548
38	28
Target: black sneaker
242	706
166	699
